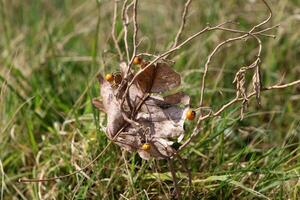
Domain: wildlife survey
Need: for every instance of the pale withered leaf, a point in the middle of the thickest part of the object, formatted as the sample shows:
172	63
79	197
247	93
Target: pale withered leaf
115	120
167	123
160	149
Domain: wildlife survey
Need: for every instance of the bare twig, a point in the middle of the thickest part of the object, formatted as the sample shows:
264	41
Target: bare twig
256	77
173	173
209	60
128	172
183	21
113	31
125	26
266	20
134	38
282	86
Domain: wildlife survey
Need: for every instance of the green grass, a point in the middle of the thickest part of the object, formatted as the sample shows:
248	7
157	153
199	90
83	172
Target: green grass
50	53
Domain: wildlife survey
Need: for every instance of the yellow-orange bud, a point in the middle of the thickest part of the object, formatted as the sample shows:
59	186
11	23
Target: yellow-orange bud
137	60
146	146
109	77
190	114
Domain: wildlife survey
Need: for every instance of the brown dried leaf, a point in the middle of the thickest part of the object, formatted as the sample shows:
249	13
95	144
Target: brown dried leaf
165	120
123	69
145	79
165	78
158	78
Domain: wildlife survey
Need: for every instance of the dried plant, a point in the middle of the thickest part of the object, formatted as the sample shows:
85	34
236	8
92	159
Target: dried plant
140	118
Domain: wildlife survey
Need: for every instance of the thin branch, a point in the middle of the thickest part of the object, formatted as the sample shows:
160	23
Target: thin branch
183	21
282	86
206	29
128	172
201	117
113	31
266	20
173	173
134	38
125	26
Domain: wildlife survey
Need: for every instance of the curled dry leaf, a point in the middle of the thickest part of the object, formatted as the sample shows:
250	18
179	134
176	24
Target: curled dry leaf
145	118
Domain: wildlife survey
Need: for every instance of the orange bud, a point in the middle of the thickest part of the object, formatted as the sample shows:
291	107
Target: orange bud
137	60
109	77
190	114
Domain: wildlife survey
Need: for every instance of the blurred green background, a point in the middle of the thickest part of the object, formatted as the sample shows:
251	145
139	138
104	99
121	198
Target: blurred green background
50	53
